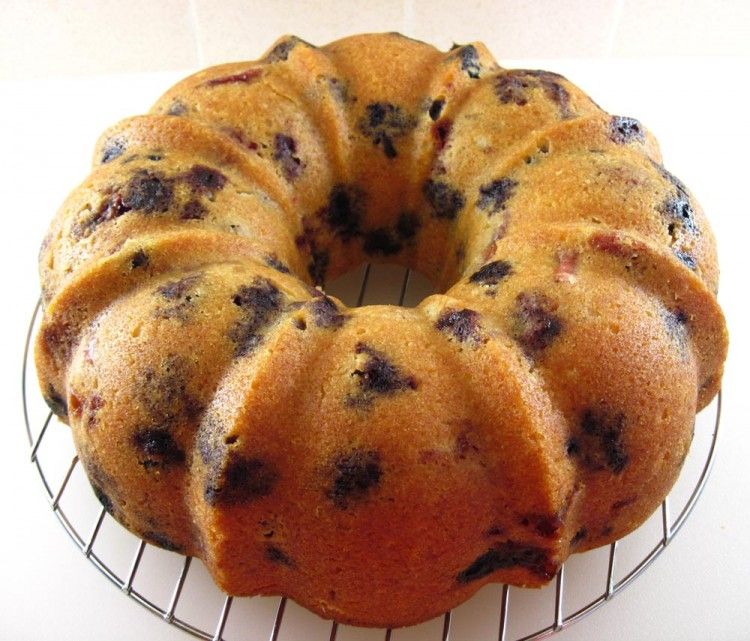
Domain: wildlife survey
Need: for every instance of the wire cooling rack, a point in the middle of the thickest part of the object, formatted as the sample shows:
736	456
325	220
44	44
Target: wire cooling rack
179	590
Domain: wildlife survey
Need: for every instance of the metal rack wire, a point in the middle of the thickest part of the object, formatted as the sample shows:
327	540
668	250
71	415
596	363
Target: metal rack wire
168	610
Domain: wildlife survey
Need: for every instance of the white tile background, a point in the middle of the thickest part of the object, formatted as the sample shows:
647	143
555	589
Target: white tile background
49	38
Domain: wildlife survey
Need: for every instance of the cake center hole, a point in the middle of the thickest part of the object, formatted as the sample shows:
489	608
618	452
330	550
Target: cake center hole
380	284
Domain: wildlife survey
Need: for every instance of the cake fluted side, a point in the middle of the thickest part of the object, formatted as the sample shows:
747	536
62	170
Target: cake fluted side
379	464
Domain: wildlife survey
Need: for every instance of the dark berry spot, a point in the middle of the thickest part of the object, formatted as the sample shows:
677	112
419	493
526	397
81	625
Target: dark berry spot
572	447
676	320
161	540
148	192
246	77
177	108
158	447
535	324
546	525
436	108
56	402
629	500
383	123
92	406
204	180
178	289
678	213
110	208
579	536
326	314
318	266
557	94
515	86
193	210
260	305
240	137
263	297
113	148
380	242
162	393
446	202
470	61
284	153
462	324
59	337
492	273
494	196
687	260
139	259
281	51
272	261
240	480
598	442
388	147
354	475
307	239
407	226
676	209
624	130
378	375
344	210
441	130
339	89
178	298
506	555
465	445
276	555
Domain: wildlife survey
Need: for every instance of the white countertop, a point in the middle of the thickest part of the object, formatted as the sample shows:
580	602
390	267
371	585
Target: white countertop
698	589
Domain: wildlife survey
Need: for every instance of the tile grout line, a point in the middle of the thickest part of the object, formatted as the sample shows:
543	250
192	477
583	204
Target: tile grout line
616	20
193	14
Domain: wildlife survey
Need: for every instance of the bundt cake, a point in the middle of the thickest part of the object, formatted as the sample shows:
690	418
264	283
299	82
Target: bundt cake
379	464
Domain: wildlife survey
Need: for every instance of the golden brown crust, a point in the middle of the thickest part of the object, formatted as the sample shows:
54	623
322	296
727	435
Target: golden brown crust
379	464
